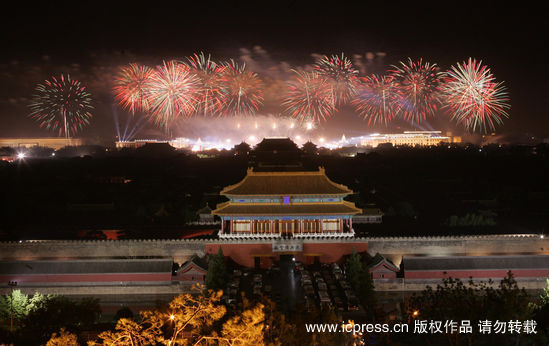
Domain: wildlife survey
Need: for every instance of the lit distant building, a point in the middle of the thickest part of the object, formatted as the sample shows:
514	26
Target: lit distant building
178	143
49	142
409	138
137	143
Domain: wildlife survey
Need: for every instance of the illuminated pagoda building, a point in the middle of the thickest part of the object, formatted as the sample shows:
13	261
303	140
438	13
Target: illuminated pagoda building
280	208
286	204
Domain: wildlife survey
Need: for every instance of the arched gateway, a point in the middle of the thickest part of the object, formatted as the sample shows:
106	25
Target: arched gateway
301	213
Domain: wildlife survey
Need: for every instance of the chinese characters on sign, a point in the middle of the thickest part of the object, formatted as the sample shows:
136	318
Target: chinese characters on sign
283	247
484	327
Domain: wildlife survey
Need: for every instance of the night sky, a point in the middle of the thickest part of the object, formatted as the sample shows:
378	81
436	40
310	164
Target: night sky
90	39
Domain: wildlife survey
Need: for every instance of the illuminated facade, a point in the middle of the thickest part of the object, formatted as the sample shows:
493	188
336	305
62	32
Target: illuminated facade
410	138
286	204
49	142
138	143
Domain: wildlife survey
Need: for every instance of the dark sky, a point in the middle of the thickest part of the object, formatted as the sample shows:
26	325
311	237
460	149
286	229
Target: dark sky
88	38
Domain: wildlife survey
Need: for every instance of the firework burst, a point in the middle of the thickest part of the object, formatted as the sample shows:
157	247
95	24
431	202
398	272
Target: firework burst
130	86
61	104
341	75
418	83
241	90
173	92
377	99
209	77
473	97
308	98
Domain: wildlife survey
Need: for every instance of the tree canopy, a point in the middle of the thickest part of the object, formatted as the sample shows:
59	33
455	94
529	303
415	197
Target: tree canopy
474	301
216	277
359	277
189	319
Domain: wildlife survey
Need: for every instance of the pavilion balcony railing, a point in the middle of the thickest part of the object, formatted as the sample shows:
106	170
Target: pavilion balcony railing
325	234
239	235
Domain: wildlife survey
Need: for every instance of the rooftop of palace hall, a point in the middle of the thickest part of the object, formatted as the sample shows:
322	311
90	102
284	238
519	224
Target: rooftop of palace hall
241	209
286	183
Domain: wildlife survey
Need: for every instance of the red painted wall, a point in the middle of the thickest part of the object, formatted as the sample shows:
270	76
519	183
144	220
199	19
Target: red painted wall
190	278
386	275
243	254
240	253
382	269
465	274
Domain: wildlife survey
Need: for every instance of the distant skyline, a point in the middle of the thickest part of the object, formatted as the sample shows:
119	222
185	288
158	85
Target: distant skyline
90	40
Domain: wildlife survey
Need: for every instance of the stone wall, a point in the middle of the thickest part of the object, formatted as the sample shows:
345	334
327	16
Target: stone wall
182	250
406	285
392	248
95	290
244	252
395	248
179	250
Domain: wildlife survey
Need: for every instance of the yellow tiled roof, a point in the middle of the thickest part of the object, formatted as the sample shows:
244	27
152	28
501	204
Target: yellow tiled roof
286	183
267	209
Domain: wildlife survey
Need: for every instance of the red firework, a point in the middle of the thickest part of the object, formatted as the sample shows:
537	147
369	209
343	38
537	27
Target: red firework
473	96
341	76
377	99
418	83
209	76
173	92
241	90
309	98
130	86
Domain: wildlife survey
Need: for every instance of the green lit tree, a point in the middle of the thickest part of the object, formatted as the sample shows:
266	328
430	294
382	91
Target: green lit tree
16	306
541	311
544	296
56	312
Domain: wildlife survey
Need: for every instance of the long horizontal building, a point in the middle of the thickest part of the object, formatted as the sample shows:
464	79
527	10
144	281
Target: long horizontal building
476	267
87	272
49	142
409	138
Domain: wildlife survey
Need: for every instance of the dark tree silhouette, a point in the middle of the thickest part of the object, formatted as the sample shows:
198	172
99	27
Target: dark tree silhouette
216	277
